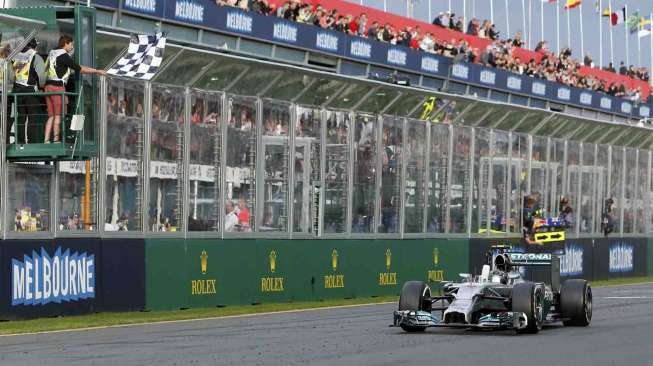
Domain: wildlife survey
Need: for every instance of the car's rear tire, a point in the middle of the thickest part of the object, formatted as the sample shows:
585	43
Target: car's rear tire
415	296
528	298
576	303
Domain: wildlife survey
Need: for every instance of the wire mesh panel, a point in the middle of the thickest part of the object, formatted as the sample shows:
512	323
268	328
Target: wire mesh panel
588	190
275	155
307	185
415	150
500	170
616	184
124	156
439	178
365	171
391	178
166	159
461	180
205	159
569	201
482	181
29	194
241	151
76	196
519	177
630	188
336	178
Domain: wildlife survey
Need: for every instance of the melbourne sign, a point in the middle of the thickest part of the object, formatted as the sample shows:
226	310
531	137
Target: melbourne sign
44	278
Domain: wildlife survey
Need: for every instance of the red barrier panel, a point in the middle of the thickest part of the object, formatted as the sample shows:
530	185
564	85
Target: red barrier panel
443	34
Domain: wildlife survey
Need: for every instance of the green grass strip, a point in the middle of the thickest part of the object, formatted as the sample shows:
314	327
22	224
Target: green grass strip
108	319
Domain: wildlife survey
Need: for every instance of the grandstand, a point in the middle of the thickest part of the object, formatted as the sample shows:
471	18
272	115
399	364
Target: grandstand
267	154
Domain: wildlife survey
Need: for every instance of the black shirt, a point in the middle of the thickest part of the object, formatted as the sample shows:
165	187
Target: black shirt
64	62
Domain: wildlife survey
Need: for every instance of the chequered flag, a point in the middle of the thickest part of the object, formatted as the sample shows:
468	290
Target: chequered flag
143	57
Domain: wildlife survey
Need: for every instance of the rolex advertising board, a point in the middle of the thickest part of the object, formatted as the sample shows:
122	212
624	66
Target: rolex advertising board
209	272
50	277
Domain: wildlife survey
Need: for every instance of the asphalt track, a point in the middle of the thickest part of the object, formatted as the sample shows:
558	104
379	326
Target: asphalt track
621	334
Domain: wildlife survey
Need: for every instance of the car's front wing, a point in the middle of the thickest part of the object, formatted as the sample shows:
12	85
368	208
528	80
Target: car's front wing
500	320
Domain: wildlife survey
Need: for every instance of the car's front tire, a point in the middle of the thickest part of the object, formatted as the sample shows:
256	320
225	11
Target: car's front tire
415	296
576	302
528	298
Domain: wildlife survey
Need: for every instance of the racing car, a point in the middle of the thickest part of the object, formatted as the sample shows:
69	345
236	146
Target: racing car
499	298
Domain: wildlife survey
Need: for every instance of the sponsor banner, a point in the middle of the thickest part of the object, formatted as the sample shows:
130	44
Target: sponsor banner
622	257
123	274
210	272
146	7
50	277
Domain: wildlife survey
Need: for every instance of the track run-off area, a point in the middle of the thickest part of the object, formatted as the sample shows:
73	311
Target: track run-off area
620	334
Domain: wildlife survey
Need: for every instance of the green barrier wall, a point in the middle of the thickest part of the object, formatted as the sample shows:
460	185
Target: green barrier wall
207	272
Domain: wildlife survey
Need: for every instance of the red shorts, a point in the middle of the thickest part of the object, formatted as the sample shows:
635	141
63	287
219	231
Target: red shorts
54	101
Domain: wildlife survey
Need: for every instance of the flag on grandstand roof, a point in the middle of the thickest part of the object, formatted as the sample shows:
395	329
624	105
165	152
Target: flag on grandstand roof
143	57
572	4
632	22
644	27
618	17
607	12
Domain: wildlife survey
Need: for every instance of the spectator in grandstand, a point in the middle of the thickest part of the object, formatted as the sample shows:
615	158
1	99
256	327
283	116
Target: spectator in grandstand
243	215
623	70
443	19
373	30
484	29
362	25
473	27
517	41
230	219
427	44
59	67
587	61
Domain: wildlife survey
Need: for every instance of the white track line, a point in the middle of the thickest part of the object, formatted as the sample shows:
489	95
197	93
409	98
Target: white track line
624	297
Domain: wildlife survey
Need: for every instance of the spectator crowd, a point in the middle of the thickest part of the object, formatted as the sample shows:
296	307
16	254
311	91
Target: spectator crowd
561	68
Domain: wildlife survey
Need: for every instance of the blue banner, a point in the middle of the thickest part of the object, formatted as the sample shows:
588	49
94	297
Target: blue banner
276	30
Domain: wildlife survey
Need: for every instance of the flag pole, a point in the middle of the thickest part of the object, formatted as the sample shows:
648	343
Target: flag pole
464	8
600	34
492	11
582	44
639	44
542	20
523	18
558	27
626	34
450	5
651	38
530	23
568	31
507	19
611	39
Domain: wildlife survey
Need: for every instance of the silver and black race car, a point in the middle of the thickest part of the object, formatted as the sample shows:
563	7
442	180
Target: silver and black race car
499	298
